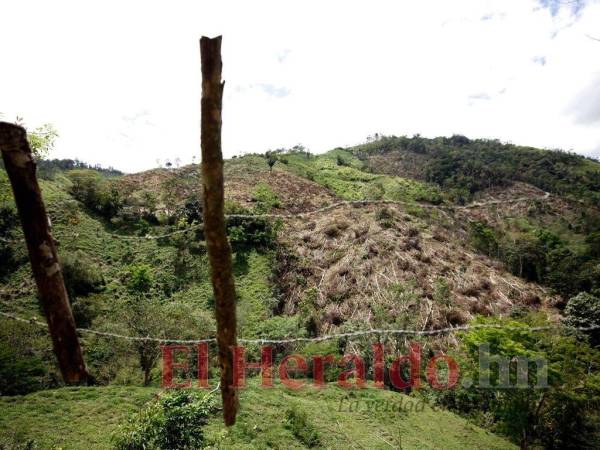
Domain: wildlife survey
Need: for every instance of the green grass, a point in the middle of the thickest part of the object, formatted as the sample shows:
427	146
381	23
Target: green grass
255	295
351	182
265	198
70	418
85	418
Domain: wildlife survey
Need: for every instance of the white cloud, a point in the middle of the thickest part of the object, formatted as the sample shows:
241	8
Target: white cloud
121	80
586	106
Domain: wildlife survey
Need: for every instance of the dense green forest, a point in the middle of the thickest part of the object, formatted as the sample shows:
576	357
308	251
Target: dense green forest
465	166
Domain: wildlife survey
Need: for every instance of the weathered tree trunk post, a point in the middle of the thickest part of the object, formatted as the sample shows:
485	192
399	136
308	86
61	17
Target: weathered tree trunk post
219	251
21	169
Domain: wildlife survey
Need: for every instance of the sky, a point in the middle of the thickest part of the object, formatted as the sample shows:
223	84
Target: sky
120	80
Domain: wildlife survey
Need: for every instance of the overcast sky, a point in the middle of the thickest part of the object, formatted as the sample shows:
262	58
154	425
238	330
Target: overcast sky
121	80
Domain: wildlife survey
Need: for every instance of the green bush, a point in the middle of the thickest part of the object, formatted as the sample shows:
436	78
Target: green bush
271	158
175	421
140	278
248	233
340	161
142	316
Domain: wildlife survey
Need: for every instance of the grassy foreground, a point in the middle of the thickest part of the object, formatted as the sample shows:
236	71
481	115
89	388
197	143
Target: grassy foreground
85	418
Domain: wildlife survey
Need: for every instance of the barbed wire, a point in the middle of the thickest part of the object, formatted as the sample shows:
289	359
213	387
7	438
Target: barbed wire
354	203
351	334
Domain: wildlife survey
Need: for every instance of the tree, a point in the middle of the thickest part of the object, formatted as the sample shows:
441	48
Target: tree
583	311
95	192
149	317
41	139
271	158
562	415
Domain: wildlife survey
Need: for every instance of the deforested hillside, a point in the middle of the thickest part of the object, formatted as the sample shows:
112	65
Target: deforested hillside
362	239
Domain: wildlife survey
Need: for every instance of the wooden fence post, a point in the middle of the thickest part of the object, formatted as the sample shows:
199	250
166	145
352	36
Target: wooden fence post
219	251
21	168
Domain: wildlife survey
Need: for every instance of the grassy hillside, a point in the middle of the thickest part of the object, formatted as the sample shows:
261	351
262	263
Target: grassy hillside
76	418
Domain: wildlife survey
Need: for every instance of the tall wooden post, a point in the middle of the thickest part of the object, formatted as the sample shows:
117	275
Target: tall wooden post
219	251
21	169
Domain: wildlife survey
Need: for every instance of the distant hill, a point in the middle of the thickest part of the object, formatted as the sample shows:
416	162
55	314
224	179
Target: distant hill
467	166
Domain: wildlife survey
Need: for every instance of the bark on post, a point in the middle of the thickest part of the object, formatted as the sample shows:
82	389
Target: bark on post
21	169
219	251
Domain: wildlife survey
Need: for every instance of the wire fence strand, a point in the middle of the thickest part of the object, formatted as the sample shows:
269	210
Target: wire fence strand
290	340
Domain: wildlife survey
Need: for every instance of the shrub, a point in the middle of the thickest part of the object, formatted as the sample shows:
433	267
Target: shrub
175	421
340	161
271	158
335	228
140	278
85	186
192	209
247	233
16	441
441	292
142	317
455	317
385	217
374	191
